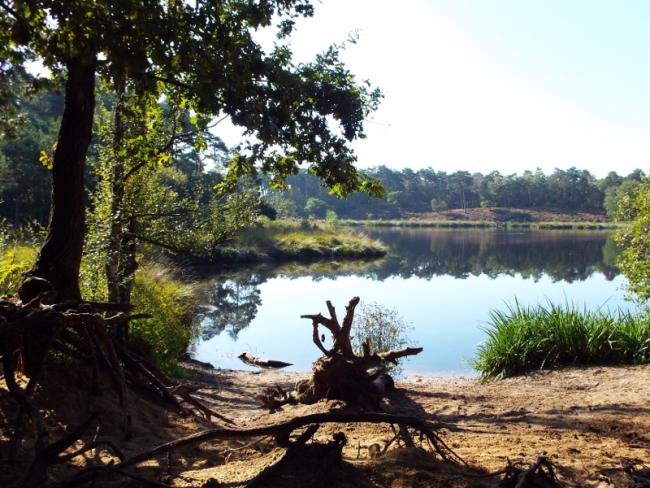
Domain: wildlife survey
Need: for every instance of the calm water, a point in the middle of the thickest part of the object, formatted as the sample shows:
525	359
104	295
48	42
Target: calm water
442	282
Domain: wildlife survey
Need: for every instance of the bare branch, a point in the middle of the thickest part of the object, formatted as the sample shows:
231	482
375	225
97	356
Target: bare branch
285	428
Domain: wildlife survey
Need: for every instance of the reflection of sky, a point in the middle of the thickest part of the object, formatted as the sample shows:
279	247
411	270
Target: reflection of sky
446	314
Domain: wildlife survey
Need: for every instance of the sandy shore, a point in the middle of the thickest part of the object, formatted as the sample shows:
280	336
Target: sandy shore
593	423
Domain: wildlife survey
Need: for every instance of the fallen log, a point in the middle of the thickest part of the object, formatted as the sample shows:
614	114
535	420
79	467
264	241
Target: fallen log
248	358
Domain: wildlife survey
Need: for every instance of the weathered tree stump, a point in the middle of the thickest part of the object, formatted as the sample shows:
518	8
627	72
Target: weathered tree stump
358	377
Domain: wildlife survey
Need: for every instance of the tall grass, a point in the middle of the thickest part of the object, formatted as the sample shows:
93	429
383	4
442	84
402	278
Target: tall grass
157	291
523	339
172	304
15	261
297	240
18	251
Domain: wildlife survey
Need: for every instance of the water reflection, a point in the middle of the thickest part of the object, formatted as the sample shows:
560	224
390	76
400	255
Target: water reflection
231	305
424	253
567	256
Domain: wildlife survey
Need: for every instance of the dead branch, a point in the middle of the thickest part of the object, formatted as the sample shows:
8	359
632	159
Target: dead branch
90	446
283	431
251	360
540	474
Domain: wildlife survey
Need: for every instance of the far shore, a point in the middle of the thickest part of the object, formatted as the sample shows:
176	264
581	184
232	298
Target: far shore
498	218
479	224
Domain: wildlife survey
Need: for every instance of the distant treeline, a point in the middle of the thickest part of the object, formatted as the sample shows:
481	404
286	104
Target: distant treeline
428	190
25	181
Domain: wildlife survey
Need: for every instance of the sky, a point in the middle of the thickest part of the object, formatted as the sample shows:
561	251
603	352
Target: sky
506	85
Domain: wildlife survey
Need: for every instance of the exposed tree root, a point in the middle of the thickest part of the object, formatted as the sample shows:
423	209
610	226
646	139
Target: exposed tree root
84	333
341	373
541	474
282	433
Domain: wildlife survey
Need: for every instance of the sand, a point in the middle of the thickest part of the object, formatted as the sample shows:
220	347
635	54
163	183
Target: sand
593	423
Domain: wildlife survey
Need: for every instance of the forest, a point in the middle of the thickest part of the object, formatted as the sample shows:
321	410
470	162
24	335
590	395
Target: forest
192	173
115	191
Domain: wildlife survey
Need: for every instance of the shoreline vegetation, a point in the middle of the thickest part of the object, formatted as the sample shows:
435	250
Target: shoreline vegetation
519	340
524	339
485	224
298	241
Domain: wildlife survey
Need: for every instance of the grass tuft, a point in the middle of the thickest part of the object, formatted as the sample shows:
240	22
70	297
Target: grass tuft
524	339
172	303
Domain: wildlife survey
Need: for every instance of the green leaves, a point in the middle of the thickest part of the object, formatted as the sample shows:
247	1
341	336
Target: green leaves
634	260
204	58
45	160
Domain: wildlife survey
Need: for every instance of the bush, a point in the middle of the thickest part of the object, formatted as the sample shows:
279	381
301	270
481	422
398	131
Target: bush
331	218
542	337
383	327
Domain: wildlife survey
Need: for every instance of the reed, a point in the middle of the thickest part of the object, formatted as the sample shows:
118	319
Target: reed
523	339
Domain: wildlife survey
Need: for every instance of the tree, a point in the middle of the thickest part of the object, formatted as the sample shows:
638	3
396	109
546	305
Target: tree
617	199
315	207
202	57
634	260
24	180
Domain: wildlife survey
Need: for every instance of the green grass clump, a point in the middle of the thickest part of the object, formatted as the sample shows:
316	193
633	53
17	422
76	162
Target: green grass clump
15	260
307	240
166	336
524	339
323	243
18	251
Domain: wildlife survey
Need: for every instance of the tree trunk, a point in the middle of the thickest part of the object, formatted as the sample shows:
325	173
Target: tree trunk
117	200
60	257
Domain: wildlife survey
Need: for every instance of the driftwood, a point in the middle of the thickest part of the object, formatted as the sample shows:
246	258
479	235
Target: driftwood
341	373
248	358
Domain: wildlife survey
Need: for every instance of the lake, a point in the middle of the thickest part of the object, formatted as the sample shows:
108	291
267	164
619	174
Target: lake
443	283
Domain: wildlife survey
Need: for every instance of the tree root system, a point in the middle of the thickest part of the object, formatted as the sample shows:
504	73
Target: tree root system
83	334
357	377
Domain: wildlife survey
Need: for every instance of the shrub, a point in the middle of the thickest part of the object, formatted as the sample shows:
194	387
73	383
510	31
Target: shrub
383	327
331	218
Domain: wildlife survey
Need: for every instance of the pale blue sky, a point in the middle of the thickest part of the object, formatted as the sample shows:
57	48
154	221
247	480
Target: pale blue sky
496	84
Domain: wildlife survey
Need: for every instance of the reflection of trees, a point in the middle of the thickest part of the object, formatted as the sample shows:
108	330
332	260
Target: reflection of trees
424	253
232	305
567	256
